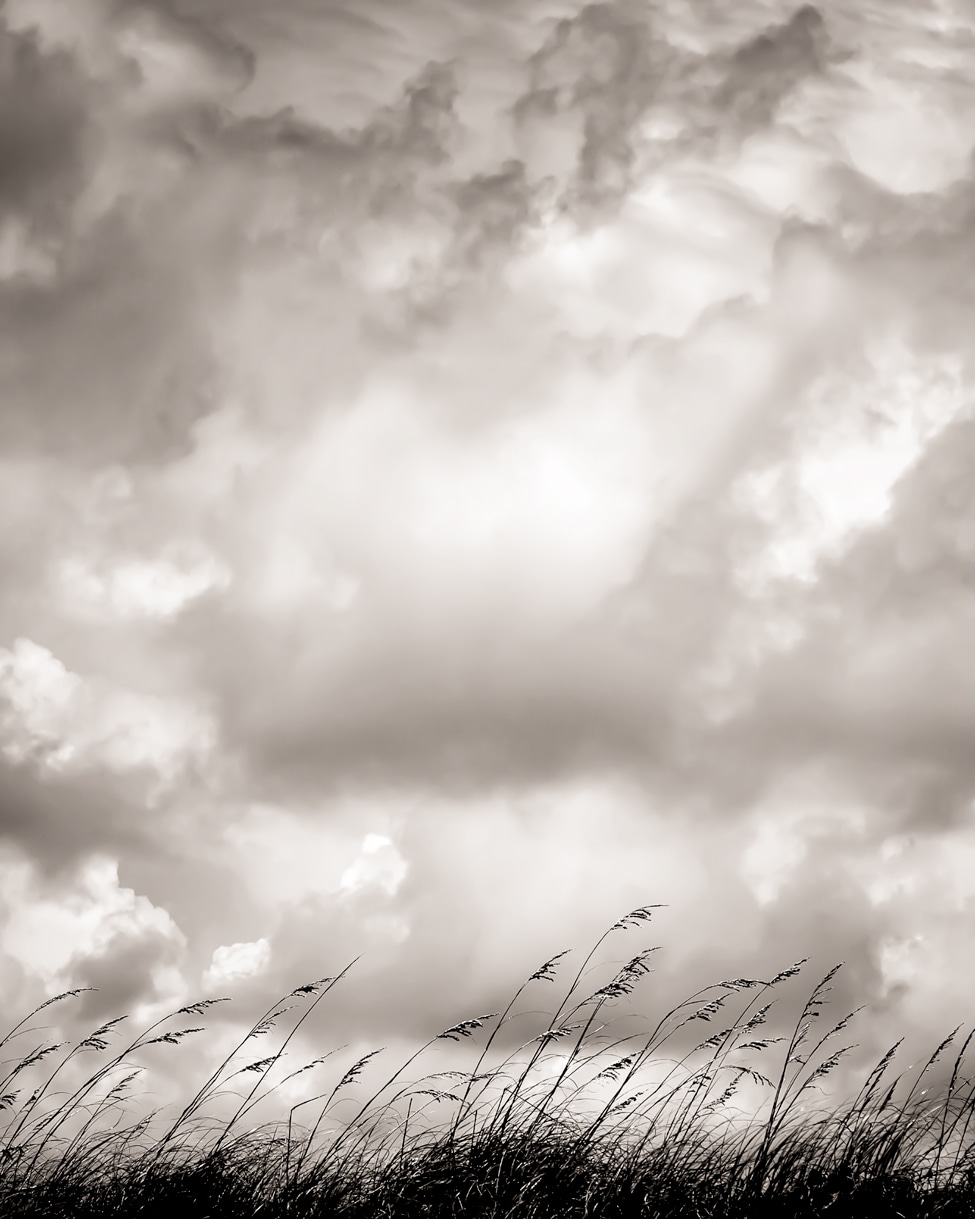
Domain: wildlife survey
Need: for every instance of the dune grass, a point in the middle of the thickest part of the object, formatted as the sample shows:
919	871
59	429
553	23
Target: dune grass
574	1121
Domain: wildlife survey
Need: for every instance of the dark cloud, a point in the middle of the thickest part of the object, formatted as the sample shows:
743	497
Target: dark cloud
462	727
606	75
106	354
123	972
109	365
57	821
589	85
42	130
763	71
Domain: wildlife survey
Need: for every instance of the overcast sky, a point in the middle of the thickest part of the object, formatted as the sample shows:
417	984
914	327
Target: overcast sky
470	469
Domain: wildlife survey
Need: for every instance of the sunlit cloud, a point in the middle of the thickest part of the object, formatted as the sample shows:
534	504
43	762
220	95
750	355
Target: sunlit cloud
231	962
59	721
858	438
140	588
92	932
379	865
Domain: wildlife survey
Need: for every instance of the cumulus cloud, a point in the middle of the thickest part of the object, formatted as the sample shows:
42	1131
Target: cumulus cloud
91	932
53	718
231	962
467	474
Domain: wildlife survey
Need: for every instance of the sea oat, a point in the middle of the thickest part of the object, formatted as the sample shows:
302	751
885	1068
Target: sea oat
465	1028
546	972
96	1039
356	1068
261	1064
65	994
556	1034
310	988
200	1006
173	1037
707	1011
35	1057
642	914
613	1070
630	1100
789	973
757	1018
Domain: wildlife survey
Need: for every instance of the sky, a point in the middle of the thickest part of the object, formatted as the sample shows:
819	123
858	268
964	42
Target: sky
468	471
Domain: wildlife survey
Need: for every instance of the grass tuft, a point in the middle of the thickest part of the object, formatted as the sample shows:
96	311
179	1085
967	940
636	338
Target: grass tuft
573	1120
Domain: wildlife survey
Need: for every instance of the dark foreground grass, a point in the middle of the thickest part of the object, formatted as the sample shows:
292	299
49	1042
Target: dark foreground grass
573	1122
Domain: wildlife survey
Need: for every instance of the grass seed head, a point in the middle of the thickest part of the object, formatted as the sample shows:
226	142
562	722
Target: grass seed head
788	973
465	1028
174	1037
310	988
65	994
198	1008
642	914
546	972
356	1068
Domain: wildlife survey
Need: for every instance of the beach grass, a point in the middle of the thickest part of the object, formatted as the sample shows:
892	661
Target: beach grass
716	1110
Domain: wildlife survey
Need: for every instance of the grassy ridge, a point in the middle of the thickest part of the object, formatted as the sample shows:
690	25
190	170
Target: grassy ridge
573	1122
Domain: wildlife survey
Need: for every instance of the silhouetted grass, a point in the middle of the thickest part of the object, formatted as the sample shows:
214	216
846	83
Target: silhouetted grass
572	1122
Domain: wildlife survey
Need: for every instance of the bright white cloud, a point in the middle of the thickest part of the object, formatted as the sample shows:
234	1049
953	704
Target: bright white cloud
232	962
141	588
855	440
62	722
47	931
907	135
378	866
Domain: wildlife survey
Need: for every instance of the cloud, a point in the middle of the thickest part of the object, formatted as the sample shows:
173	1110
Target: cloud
43	132
590	83
763	71
106	284
150	588
379	866
53	718
457	486
231	962
91	932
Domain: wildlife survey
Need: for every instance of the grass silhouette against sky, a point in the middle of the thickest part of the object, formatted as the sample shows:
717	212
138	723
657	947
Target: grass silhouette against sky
572	1121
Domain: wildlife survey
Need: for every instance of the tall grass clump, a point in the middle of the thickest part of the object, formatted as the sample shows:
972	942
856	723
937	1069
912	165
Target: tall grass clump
719	1109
